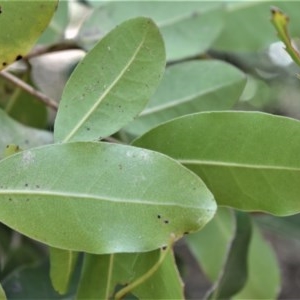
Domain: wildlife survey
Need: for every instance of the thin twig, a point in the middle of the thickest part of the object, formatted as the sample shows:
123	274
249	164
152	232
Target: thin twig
29	89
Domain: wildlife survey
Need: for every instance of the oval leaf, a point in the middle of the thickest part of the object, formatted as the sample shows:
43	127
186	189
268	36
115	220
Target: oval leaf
190	87
113	82
248	160
101	198
21	24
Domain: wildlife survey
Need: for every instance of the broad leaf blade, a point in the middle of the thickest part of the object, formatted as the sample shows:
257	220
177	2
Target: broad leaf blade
248	160
146	195
113	83
29	19
191	87
25	137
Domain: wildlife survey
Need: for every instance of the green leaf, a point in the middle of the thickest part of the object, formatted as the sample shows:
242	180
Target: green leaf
216	235
234	274
191	87
76	191
62	264
280	22
2	293
243	33
25	137
188	28
113	83
262	268
123	269
29	19
248	160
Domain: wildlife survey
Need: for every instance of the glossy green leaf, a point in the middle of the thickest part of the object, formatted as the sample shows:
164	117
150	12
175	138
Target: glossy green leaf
248	27
235	271
25	137
91	185
2	293
191	87
113	83
216	235
62	264
263	268
101	274
29	19
248	160
188	28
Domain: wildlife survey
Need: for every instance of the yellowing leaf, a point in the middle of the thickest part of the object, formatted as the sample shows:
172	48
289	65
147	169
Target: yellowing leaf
21	23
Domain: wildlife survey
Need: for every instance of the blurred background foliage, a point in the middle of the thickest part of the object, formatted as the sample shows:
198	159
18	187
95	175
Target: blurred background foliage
220	56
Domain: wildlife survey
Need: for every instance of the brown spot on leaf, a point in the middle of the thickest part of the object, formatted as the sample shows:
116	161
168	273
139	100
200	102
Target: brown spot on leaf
19	57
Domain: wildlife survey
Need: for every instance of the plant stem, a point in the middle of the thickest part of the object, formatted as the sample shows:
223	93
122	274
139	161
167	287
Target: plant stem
29	89
120	294
109	275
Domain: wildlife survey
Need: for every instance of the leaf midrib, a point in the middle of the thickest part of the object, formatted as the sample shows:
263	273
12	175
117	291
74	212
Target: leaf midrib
236	165
29	193
186	99
107	91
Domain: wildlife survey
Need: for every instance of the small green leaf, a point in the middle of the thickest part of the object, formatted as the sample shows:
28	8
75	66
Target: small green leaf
11	149
234	274
125	268
262	268
113	83
25	137
74	191
62	264
29	19
280	22
249	160
2	293
191	87
216	235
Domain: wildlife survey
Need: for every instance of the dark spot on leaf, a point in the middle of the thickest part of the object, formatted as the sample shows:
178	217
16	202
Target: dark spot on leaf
9	199
26	142
19	57
164	248
186	232
88	128
7	146
4	64
26	184
37	186
158	216
166	221
1	10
